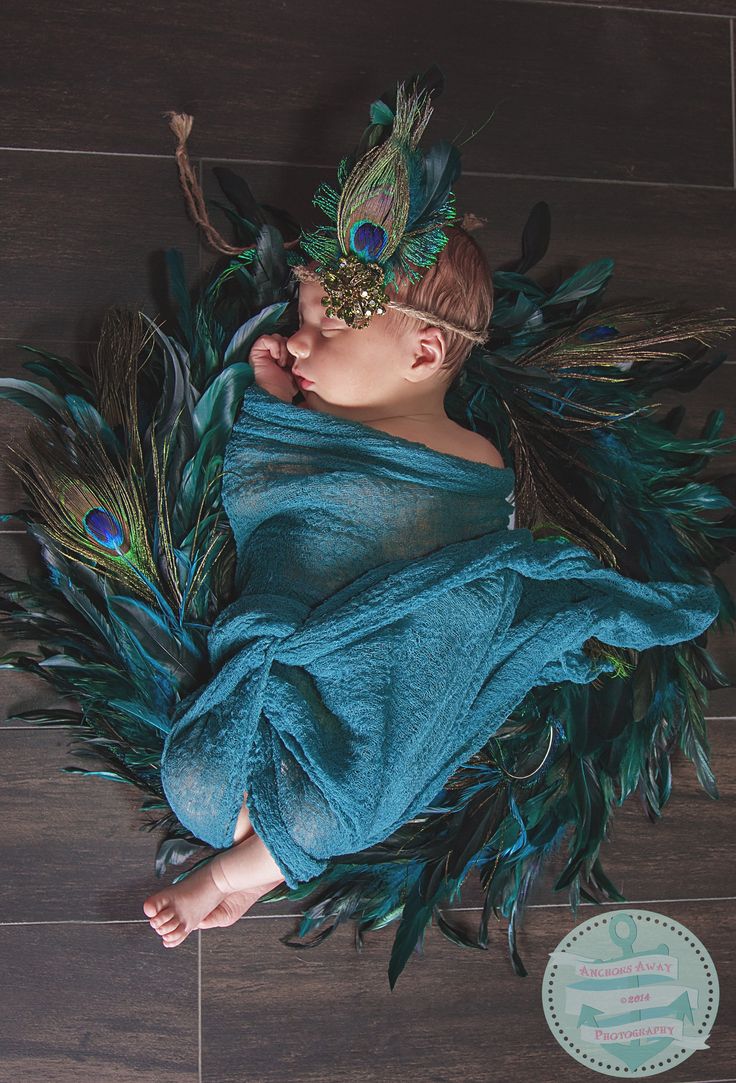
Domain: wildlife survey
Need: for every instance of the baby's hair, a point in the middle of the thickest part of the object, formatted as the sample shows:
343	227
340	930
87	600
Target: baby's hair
457	287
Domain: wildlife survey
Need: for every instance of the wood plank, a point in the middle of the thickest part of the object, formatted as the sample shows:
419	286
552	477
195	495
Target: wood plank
78	847
453	1014
705	8
97	1002
81	233
577	91
722	703
61	827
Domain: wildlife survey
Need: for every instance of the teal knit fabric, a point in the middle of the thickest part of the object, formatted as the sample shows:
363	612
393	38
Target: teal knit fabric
386	622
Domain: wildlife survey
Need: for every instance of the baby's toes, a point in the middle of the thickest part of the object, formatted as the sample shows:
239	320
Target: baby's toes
175	936
162	916
168	926
154	904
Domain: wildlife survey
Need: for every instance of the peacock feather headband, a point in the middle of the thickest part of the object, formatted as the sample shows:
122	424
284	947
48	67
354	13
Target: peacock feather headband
389	213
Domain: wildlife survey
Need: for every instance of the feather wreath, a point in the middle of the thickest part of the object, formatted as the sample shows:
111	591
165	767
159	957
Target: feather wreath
122	469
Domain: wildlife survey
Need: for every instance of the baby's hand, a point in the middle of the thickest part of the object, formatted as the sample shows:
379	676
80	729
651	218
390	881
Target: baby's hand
271	363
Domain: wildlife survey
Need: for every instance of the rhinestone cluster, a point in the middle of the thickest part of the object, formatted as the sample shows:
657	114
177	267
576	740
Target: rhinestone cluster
355	291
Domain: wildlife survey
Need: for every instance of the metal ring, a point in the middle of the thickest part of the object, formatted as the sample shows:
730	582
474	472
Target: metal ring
541	765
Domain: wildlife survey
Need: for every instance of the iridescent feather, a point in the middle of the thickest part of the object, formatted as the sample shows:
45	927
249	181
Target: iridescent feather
392	200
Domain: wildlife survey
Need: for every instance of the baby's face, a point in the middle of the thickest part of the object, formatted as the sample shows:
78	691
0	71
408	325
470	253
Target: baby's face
349	366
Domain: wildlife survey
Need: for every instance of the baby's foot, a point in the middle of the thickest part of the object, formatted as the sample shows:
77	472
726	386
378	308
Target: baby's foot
234	905
177	910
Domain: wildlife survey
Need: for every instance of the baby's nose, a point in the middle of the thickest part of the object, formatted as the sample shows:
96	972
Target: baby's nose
296	345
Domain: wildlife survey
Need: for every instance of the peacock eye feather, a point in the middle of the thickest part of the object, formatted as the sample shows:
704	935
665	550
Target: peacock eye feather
368	239
103	527
597	334
92	507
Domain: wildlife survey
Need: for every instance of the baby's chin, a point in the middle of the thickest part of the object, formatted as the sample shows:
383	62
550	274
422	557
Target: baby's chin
312	400
309	398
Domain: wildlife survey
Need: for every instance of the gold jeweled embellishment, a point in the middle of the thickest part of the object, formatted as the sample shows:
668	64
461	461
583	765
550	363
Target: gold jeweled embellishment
355	290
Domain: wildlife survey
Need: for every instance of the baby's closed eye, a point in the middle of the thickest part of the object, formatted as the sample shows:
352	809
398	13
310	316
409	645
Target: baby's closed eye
327	325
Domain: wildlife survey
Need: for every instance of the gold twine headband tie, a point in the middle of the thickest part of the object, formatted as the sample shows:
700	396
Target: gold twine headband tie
304	274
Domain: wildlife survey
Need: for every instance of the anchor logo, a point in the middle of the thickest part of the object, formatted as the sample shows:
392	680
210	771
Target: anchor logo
629	1006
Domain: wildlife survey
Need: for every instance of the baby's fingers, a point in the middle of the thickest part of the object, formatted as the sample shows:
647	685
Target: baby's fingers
278	350
269	342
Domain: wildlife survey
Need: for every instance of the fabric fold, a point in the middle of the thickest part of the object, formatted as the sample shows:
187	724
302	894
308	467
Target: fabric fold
386	623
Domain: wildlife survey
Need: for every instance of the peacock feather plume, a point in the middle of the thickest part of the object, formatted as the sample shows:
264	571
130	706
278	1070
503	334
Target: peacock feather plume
389	208
89	504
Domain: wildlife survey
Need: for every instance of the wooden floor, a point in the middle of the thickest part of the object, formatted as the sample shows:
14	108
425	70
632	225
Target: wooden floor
622	119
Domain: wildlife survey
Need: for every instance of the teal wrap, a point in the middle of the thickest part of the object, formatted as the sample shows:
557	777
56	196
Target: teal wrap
386	622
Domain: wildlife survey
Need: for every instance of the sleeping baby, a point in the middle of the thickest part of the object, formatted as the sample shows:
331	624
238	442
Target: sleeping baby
385	620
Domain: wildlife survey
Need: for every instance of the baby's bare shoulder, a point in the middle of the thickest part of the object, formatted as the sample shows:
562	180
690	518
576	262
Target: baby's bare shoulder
450	439
473	446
